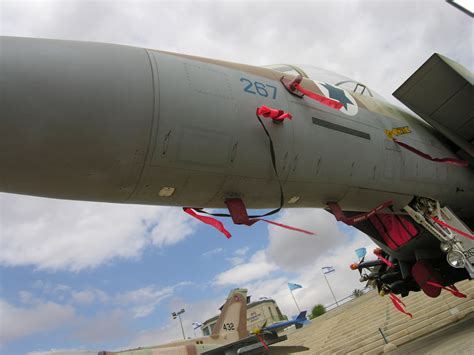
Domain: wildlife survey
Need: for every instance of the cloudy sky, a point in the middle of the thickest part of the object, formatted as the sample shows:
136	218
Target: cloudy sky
81	275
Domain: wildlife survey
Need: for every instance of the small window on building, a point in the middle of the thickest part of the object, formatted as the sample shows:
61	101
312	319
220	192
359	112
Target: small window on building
271	313
280	316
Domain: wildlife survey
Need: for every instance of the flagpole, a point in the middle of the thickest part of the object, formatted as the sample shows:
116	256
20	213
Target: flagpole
299	310
337	304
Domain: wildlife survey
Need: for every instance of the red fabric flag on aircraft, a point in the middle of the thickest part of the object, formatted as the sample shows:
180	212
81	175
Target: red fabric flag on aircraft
340	216
239	215
262	341
208	220
452	228
399	305
451	289
378	254
322	99
451	161
277	115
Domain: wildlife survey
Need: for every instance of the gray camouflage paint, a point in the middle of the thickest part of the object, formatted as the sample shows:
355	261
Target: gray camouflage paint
102	122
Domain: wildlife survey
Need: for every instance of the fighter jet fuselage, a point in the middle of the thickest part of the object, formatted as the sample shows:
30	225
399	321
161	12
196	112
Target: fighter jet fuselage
103	122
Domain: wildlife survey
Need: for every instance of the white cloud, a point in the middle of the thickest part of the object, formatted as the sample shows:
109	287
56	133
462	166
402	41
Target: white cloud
58	291
65	293
102	327
88	296
26	297
156	336
303	256
83	297
239	256
242	251
172	226
291	250
101	295
143	301
74	235
257	267
315	290
194	311
59	288
53	351
213	252
38	315
236	260
18	322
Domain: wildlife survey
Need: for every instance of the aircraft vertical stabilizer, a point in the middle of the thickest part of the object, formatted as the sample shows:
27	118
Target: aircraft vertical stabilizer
232	323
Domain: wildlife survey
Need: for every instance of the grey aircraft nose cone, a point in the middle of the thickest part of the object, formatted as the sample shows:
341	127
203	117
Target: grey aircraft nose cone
75	117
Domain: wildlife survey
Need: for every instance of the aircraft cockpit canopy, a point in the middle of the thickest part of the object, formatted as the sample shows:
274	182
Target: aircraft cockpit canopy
318	74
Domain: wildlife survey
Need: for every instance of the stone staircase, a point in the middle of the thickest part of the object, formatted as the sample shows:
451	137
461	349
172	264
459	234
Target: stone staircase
352	328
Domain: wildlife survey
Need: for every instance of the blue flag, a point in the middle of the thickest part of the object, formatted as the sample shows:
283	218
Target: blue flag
294	286
361	252
328	269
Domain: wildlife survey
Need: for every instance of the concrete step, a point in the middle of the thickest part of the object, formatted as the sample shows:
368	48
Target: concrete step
419	325
352	328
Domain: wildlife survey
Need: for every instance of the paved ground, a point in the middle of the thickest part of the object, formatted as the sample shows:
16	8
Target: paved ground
455	339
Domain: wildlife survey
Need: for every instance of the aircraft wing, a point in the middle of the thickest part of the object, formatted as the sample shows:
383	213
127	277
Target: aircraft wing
279	326
244	346
441	92
298	322
256	348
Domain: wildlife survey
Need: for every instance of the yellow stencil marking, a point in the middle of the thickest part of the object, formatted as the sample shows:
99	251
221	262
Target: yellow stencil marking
390	133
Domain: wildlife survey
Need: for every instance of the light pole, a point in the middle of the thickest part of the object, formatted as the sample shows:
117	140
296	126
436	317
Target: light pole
178	314
327	270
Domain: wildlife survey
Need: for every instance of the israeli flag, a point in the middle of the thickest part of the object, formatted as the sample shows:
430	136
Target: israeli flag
328	269
196	325
294	286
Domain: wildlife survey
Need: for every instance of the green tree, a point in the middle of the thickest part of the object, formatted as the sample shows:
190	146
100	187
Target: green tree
317	310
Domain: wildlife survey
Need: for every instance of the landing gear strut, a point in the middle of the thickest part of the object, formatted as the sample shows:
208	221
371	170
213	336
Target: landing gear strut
455	241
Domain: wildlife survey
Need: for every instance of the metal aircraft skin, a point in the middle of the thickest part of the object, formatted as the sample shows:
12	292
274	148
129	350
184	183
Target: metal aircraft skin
229	334
299	321
104	122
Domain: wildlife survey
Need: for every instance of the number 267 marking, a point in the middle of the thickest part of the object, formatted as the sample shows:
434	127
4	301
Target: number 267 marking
258	88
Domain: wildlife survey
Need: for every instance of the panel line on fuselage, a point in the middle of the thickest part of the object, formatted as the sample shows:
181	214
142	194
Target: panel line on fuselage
339	128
